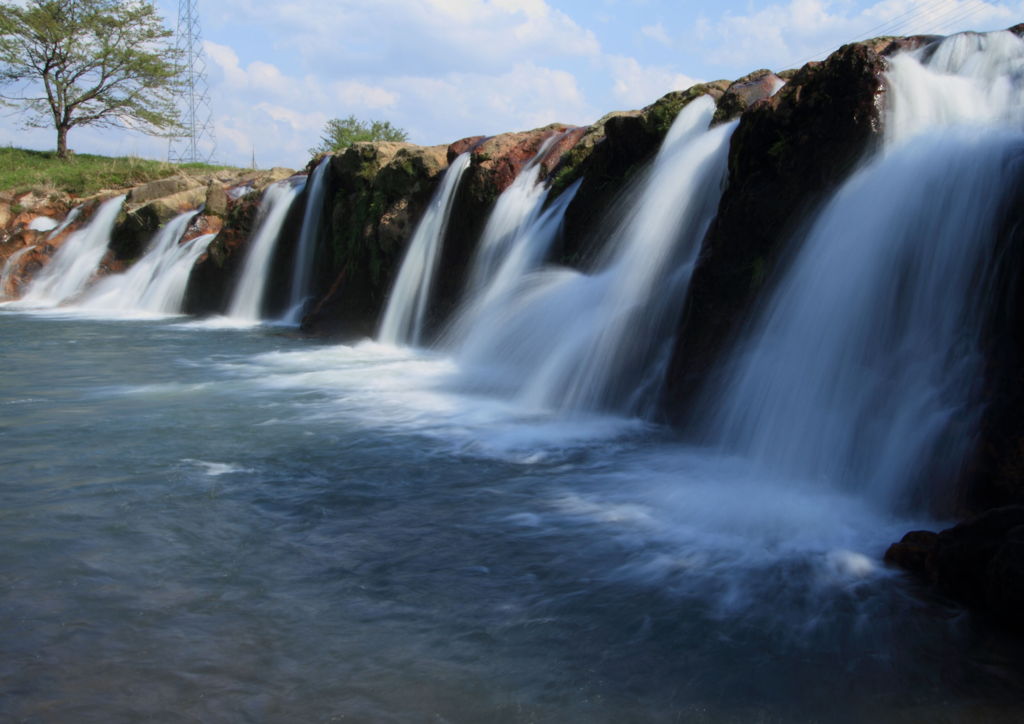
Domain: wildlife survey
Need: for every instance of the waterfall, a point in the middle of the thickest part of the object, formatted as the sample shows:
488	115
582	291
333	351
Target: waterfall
247	301
7	276
407	306
156	282
524	248
305	251
68	220
861	372
76	261
516	209
579	341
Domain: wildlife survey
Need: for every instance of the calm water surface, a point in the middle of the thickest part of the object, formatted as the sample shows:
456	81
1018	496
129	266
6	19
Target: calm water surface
239	525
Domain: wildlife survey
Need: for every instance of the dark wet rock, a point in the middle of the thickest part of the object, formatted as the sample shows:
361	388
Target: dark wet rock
979	563
787	154
376	193
379	194
606	157
495	163
913	551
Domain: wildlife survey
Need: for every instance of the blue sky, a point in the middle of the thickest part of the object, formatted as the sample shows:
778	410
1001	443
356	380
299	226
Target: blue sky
445	69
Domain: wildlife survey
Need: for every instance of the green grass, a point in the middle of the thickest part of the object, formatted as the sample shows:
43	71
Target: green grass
84	174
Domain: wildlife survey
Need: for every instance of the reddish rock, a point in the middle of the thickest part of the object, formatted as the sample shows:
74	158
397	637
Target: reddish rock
462	145
499	159
201	225
745	92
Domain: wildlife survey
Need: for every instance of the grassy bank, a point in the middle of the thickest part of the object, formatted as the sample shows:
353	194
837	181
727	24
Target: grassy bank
84	174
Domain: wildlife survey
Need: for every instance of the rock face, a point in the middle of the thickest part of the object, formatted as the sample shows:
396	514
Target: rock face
606	157
230	208
379	193
376	193
151	205
28	249
979	563
788	152
494	164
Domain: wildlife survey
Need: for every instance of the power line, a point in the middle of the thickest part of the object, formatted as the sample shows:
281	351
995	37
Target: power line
198	142
934	18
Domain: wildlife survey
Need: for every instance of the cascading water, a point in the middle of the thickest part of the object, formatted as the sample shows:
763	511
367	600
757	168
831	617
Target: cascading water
526	241
247	300
516	209
150	282
10	268
407	305
590	341
76	261
305	251
861	372
68	220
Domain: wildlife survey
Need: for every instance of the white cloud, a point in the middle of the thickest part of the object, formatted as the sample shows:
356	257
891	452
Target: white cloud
444	109
354	93
635	85
657	33
416	36
789	34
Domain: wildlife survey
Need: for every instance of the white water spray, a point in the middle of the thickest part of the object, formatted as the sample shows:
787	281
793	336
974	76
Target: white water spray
407	305
516	209
247	301
580	342
156	282
76	261
305	251
861	372
10	267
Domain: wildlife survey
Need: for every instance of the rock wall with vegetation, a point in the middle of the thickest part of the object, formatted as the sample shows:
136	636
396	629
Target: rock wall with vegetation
376	192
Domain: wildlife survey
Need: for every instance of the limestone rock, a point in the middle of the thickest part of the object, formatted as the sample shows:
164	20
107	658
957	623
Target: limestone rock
216	202
160	189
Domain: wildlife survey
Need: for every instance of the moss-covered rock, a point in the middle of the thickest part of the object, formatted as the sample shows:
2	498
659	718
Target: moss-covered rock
377	192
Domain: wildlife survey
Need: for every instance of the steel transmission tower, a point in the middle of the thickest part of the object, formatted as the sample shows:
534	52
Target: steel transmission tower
197	142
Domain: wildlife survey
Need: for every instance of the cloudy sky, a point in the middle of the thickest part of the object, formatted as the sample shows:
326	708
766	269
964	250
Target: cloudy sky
446	69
